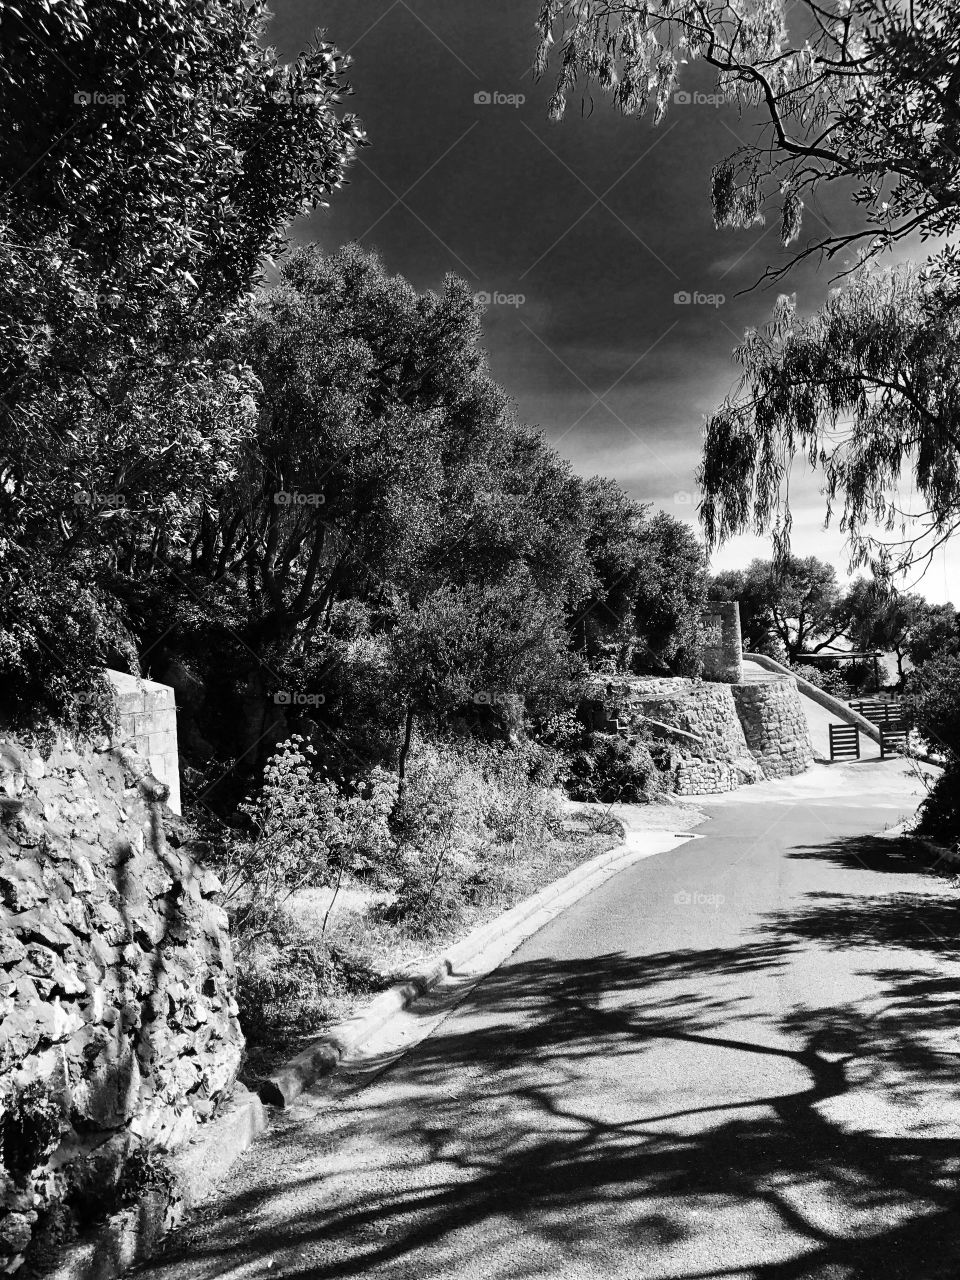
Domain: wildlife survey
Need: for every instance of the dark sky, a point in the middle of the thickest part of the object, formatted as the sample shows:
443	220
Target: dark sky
595	223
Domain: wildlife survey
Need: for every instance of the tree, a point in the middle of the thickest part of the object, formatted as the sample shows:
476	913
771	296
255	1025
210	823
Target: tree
935	633
862	95
793	606
671	593
750	591
153	155
501	647
385	471
642	607
867	390
881	619
162	146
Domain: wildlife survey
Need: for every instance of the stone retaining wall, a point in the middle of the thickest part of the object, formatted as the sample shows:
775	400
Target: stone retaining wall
717	759
740	733
118	1024
775	725
701	708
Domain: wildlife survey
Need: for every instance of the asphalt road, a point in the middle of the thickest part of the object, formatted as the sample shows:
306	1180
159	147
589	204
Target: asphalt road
740	1058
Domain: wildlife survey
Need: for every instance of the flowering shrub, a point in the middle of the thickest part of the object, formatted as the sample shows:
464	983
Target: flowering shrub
302	833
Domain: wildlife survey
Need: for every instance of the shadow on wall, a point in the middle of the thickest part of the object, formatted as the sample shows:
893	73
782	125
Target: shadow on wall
504	1152
118	1026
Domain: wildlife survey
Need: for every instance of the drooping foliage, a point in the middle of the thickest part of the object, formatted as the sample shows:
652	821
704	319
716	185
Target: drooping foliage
859	94
867	391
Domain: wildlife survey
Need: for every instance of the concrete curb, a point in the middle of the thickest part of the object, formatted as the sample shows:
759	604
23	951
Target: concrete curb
940	851
129	1237
324	1055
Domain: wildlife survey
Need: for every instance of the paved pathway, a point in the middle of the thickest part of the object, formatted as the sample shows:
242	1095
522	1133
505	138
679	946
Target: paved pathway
737	1059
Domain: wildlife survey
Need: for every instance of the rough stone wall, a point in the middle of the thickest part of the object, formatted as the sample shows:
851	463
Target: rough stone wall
118	1025
698	777
148	723
718	759
775	725
743	732
703	709
723	646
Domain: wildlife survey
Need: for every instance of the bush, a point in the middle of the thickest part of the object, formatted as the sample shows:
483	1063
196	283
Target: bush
932	703
302	832
939	815
829	679
932	707
608	769
466	812
55	638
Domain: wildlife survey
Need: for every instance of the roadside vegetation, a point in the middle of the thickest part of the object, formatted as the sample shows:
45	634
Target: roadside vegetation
378	595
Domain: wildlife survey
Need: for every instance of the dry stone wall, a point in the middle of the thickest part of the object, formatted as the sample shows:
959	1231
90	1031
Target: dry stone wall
716	756
730	734
118	1024
775	725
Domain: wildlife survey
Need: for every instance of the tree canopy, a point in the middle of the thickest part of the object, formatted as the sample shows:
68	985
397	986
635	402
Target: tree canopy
861	94
791	607
867	390
864	96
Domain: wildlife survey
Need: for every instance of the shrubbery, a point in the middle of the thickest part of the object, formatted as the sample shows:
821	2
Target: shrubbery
468	831
932	706
609	769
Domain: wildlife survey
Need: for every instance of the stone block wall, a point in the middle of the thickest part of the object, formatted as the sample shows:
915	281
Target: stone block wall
775	725
703	709
118	1024
739	733
723	646
148	723
717	758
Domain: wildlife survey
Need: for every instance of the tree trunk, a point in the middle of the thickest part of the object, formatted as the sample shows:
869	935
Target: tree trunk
404	752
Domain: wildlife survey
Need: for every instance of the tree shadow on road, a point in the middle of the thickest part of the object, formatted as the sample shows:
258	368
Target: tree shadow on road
492	1159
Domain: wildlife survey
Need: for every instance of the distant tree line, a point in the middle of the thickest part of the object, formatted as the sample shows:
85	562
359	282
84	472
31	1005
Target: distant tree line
796	608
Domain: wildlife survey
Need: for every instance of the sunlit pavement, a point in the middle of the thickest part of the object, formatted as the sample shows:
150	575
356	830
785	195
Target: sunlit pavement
738	1058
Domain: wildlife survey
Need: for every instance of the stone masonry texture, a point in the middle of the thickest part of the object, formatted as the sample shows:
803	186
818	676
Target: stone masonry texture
118	1023
742	733
723	646
148	723
775	725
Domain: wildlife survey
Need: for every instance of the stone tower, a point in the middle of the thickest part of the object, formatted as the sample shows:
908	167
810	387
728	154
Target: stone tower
723	648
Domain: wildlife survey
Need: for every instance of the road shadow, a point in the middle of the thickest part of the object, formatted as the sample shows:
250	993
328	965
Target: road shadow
490	1140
